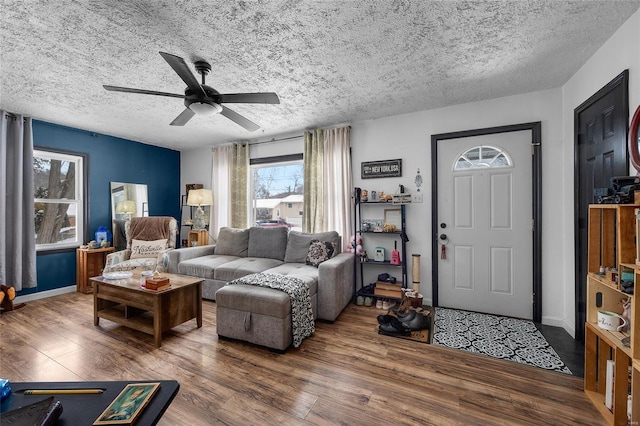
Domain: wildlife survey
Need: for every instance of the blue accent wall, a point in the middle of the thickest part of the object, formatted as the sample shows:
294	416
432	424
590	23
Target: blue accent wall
109	159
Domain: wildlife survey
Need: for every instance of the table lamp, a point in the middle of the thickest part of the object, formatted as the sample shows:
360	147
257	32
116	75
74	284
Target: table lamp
126	207
199	198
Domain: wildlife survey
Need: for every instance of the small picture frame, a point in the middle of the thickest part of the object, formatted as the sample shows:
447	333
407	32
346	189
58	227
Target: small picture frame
128	405
393	217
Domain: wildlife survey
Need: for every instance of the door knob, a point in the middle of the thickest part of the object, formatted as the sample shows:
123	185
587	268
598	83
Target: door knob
443	237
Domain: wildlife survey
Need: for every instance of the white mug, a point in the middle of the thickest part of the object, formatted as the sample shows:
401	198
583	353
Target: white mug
611	321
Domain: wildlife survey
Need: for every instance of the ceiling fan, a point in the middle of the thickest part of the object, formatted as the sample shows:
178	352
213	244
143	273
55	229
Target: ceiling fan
202	99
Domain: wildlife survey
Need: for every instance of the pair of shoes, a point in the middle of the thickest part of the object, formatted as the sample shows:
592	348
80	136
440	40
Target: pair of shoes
418	322
368	289
379	304
394	327
385	319
388	304
368	301
359	300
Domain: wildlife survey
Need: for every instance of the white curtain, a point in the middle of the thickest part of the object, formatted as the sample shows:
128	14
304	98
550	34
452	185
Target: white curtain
327	181
337	173
17	225
229	177
221	188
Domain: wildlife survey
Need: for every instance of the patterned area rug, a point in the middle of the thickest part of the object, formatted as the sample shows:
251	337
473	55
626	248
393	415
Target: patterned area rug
500	337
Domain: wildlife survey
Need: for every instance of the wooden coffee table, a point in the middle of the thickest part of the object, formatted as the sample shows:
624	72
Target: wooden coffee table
125	302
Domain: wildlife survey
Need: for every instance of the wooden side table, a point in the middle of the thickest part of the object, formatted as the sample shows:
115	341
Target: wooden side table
198	238
90	263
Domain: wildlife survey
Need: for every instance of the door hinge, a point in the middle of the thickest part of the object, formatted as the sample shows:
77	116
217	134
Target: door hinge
533	147
533	225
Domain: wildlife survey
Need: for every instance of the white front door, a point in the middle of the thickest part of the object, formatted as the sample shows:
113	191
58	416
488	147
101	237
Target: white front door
485	212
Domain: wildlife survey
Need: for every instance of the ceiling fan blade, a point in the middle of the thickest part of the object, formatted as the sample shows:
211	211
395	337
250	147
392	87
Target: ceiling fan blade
140	91
182	69
250	98
238	119
182	119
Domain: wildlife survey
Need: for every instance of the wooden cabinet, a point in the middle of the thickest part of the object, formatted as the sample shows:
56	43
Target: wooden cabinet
612	244
90	263
198	238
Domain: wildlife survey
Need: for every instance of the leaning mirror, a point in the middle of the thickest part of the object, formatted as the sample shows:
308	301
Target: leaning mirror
127	200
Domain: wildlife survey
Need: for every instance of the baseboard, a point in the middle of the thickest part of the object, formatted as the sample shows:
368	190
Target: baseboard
557	322
44	294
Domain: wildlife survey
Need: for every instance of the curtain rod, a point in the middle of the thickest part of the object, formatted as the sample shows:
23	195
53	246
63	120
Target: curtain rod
14	116
294	137
276	140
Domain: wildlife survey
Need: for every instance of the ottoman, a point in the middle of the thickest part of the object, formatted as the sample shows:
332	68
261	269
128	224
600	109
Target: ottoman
257	315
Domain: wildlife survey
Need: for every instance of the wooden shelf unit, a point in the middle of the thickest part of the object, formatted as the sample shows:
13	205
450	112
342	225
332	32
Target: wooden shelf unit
198	238
90	263
612	244
611	235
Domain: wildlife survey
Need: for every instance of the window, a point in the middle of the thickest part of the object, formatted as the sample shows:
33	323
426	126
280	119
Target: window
482	157
277	182
58	180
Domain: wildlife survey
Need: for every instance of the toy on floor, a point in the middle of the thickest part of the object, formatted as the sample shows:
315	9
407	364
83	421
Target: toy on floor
7	294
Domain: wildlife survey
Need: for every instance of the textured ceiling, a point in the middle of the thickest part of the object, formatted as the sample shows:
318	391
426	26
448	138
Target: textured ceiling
330	62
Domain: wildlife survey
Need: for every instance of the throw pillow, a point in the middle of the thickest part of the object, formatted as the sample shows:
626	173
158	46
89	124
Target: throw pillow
299	242
269	243
140	248
320	251
232	242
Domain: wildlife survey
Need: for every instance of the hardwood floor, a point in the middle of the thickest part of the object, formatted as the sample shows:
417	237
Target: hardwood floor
344	374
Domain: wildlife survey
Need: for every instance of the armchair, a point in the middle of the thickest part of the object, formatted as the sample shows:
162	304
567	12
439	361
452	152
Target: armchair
149	239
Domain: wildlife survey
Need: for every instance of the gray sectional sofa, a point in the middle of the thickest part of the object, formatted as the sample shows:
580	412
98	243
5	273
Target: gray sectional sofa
240	252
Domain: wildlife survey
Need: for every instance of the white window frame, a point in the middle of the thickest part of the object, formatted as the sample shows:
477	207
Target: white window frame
482	162
78	199
267	163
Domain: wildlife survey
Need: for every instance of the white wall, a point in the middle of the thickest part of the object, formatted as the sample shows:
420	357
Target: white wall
409	137
195	167
620	52
196	164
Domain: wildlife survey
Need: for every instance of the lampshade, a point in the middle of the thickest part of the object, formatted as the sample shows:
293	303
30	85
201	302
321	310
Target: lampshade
202	108
126	207
200	197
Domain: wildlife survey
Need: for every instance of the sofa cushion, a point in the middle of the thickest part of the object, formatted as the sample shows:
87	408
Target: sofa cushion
307	273
147	249
299	242
232	242
238	268
204	266
269	243
258	300
320	251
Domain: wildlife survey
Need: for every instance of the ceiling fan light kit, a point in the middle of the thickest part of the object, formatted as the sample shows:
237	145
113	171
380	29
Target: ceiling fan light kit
203	108
201	99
